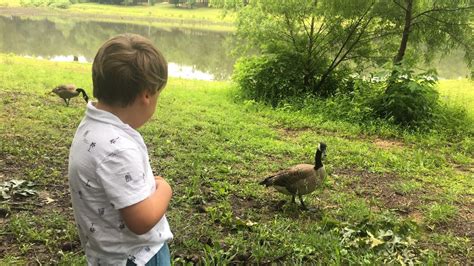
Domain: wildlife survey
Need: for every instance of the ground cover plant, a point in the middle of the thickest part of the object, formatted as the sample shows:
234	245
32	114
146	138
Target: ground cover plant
390	197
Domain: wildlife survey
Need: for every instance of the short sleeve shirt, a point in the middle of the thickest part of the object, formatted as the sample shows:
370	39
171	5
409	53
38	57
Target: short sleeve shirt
109	170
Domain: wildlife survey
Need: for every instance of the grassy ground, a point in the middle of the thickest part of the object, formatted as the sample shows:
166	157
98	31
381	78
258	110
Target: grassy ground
403	199
163	14
458	92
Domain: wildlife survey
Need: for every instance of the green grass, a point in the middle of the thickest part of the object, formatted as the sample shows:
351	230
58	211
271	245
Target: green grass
163	10
10	3
214	149
458	92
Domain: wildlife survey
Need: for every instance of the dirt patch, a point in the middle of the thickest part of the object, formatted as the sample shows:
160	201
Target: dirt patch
241	205
462	224
291	132
378	187
378	191
464	169
388	144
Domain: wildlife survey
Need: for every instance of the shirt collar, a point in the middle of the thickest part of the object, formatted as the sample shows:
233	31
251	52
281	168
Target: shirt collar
108	118
103	116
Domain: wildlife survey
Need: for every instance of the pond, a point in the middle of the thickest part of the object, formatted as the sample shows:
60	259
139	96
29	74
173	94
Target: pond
192	54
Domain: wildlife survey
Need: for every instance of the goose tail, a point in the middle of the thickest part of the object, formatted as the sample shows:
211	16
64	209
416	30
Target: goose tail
267	181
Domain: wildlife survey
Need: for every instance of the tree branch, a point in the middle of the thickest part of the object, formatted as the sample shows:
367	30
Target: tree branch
398	4
441	10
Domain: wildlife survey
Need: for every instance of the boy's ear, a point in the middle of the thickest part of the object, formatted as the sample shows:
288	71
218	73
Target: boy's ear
144	96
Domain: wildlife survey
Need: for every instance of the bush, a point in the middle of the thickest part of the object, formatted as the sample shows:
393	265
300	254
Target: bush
275	78
230	4
269	78
410	100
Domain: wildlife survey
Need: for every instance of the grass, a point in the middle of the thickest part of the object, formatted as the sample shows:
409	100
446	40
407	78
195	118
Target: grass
161	14
458	92
407	198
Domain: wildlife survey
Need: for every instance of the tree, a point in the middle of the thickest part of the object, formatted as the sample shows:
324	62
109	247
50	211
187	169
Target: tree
434	24
330	38
323	35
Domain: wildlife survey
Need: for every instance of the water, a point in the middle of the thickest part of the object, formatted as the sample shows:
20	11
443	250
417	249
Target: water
191	54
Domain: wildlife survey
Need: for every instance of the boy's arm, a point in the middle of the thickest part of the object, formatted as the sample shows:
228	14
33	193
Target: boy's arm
144	215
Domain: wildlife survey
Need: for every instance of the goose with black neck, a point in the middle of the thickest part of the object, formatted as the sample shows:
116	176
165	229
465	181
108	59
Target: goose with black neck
300	179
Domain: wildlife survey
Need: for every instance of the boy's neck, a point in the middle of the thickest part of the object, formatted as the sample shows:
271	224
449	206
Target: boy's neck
125	114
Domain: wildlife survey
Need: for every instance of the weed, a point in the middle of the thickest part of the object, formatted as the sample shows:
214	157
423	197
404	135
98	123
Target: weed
439	213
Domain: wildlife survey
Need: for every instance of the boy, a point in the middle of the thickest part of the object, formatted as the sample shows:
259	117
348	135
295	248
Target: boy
119	206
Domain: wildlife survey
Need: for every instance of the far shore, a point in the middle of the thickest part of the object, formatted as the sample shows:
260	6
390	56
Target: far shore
158	21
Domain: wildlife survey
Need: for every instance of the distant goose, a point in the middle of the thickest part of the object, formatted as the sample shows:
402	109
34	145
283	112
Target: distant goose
300	179
66	92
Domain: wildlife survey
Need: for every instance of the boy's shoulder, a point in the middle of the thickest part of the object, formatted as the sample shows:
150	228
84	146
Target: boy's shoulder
104	138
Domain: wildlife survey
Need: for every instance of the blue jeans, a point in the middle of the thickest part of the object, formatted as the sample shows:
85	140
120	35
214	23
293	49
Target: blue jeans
161	258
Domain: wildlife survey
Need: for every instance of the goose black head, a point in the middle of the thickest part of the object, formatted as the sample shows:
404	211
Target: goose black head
320	154
322	148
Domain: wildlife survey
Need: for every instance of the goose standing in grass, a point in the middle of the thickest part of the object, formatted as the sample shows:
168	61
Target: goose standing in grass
300	179
66	92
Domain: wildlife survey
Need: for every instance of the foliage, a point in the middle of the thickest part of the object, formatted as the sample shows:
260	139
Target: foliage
410	99
49	3
326	35
440	213
430	26
122	2
392	241
228	4
275	78
270	78
321	35
188	3
16	187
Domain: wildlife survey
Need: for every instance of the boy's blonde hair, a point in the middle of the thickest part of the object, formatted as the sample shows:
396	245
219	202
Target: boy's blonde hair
125	66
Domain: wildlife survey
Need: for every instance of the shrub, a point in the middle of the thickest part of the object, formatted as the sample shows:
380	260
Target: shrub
275	78
410	100
269	78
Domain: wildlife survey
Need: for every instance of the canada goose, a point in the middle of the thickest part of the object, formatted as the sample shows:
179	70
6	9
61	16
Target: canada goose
300	179
66	92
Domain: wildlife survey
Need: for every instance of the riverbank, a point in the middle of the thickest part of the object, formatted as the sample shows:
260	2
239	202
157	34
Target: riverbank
162	15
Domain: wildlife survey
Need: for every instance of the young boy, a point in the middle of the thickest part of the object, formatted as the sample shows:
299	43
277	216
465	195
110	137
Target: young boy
119	206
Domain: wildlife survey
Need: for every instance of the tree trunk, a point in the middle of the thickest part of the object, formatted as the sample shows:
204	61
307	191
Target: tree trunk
406	32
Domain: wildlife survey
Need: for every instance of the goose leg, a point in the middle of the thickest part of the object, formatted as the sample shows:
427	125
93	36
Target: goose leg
66	101
293	199
302	203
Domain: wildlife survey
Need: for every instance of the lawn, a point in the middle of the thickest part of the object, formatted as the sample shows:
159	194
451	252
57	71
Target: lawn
458	92
395	200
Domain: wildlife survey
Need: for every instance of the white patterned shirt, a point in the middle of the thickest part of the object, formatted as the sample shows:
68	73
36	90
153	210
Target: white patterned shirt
109	169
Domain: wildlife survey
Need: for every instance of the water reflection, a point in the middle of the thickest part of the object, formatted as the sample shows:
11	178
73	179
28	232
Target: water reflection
192	54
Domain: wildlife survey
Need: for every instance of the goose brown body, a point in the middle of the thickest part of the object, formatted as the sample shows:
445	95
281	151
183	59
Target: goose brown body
300	179
66	92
